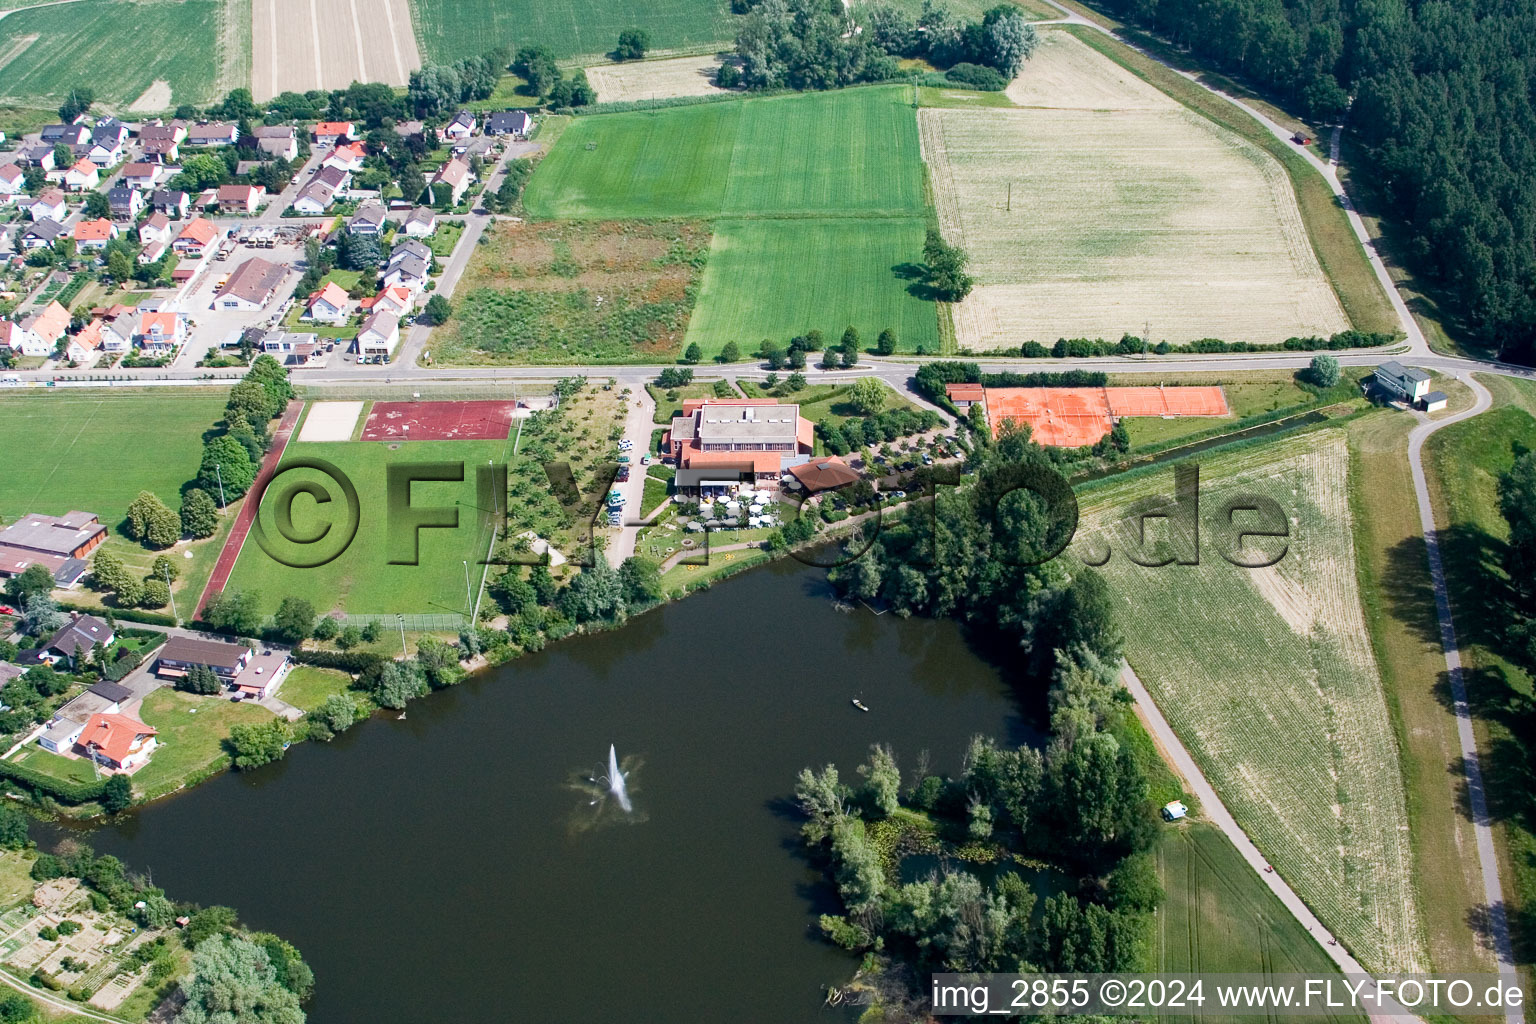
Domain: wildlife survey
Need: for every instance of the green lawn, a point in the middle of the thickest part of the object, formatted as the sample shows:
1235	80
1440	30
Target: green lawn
191	731
307	686
779	278
657	482
1220	917
848	152
83	43
442	241
448	30
361	580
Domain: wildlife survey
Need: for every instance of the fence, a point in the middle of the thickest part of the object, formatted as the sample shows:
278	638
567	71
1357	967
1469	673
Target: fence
432	622
487	389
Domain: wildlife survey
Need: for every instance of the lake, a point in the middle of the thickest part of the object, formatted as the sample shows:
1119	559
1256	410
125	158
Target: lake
444	868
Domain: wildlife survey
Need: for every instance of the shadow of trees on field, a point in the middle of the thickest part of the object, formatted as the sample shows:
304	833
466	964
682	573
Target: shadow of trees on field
916	276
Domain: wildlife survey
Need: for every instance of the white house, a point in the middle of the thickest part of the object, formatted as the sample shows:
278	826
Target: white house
94	234
329	305
315	198
117	333
461	127
13	181
84	346
421	223
156	228
160	332
379	335
152	252
395	301
347	158
454	174
144	175
213	133
48	205
82	176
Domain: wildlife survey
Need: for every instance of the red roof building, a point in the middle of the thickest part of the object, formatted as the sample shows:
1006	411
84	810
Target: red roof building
121	742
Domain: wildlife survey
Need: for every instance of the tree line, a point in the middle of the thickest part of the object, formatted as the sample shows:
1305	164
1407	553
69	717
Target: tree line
1443	105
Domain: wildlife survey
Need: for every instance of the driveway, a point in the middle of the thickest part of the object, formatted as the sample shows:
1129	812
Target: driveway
637	428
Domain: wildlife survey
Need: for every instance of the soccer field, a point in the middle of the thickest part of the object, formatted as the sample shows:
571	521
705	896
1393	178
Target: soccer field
779	278
1100	205
852	152
451	29
45	51
361	580
1269	678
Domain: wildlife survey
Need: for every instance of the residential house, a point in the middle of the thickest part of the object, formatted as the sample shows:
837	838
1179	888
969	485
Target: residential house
252	285
48	205
347	158
13	181
213	133
406	271
330	133
47	326
289	347
143	175
515	123
455	175
329	305
84	346
69	134
73	644
195	237
160	332
120	743
125	203
41	234
161	151
107	141
379	335
338	178
180	654
279	149
174	203
58	543
397	301
94	234
405	129
175	132
421	223
266	671
117	330
240	198
40	155
747	438
69	721
155	228
84	175
315	198
368	220
461	127
1403	383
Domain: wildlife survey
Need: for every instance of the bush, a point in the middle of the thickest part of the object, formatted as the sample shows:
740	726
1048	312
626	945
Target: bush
977	76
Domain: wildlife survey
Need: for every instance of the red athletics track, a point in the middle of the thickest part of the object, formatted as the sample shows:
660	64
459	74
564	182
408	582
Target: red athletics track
439	421
242	528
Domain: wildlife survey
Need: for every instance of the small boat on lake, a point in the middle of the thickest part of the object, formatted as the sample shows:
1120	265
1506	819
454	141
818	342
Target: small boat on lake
860	704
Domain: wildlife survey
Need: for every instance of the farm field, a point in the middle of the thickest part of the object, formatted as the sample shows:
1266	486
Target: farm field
779	278
1463	463
361	43
1281	700
44	51
576	291
1126	208
361	580
852	152
655	79
1219	917
450	29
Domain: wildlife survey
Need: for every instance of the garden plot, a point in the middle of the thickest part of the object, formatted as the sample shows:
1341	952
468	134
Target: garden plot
655	79
1101	206
1269	678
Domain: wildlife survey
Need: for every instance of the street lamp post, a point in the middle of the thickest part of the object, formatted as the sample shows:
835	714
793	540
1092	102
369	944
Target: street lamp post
220	475
467	599
165	571
400	620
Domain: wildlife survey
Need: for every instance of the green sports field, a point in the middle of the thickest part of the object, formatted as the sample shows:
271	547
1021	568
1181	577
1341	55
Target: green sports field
450	29
45	51
848	153
95	452
779	278
361	580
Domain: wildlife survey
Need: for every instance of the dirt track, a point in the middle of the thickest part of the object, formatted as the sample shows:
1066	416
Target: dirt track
329	44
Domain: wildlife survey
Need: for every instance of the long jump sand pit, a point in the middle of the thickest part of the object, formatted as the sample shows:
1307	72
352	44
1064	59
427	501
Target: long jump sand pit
1101	205
655	79
330	421
329	44
439	421
1074	417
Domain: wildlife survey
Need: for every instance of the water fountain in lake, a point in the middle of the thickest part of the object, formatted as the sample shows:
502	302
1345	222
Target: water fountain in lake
607	795
615	780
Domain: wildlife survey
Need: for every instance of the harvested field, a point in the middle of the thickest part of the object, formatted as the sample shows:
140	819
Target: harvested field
329	44
330	421
569	292
655	79
156	97
439	421
1103	205
1269	678
78	43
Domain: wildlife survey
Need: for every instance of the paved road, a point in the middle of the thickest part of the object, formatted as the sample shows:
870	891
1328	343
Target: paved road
638	425
1487	855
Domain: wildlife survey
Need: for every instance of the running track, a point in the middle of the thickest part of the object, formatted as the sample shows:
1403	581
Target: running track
242	528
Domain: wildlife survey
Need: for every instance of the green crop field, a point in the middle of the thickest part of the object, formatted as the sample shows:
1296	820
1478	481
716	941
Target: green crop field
361	580
1269	678
1219	916
778	278
44	51
447	30
852	152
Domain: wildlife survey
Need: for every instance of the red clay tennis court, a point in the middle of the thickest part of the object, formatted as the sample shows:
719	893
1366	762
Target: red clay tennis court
1073	417
439	421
